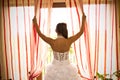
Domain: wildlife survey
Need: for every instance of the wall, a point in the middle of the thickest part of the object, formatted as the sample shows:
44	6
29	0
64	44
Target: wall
118	7
0	43
2	59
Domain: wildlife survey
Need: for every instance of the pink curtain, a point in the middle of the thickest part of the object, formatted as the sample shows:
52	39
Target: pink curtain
37	59
96	47
24	53
85	73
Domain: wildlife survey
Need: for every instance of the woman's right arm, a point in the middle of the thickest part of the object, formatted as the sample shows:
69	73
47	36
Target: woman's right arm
45	38
75	37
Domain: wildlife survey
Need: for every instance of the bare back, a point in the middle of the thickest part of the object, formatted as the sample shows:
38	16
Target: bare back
61	45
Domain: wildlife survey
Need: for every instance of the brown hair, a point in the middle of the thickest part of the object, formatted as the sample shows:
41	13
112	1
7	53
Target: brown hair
61	28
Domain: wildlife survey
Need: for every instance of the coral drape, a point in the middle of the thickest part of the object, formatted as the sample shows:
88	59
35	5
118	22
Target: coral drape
24	53
37	58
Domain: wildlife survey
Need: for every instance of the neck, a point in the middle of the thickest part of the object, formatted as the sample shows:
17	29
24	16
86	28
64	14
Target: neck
59	36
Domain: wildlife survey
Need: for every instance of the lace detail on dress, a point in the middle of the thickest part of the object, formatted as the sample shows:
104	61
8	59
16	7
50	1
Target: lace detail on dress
61	68
61	56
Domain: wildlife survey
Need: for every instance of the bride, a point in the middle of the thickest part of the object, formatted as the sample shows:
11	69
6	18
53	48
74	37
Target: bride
61	68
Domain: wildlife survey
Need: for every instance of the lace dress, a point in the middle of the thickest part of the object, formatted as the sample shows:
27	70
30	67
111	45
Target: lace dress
61	68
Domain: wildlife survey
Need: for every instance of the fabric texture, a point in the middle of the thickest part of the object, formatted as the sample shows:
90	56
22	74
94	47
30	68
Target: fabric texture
61	68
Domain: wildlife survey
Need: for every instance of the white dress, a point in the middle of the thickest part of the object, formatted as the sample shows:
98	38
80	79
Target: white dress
61	68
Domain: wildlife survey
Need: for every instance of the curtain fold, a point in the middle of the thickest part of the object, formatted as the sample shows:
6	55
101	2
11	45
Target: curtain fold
37	57
24	53
78	5
101	24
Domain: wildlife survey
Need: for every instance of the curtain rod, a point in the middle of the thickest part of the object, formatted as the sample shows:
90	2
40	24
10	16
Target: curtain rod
55	4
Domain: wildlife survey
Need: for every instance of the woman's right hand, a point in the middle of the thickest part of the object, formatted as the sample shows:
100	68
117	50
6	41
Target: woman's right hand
83	17
34	20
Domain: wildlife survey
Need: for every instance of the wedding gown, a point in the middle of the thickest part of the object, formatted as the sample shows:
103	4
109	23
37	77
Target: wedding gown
61	68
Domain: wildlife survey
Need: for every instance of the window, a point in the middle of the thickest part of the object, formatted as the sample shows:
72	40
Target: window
58	15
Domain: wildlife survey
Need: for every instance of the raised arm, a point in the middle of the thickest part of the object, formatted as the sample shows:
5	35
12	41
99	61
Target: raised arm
75	37
45	38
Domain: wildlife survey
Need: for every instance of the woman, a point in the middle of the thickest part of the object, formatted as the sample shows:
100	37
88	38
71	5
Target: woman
61	68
